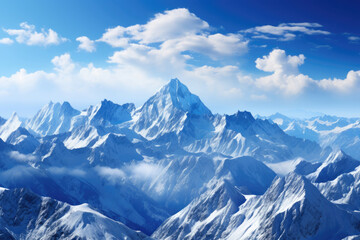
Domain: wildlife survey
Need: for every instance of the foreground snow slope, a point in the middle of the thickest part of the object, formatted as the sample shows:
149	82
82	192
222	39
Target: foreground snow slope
24	215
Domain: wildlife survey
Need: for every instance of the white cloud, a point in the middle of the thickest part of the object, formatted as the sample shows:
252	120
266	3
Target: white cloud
350	83
6	41
63	63
277	61
144	171
21	157
23	81
285	31
29	36
115	37
113	175
176	31
285	78
214	46
86	44
171	24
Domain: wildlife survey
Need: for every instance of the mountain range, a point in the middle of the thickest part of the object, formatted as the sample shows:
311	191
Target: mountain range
172	169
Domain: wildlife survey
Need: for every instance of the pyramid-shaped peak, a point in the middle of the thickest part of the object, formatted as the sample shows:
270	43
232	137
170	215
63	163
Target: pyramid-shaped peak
11	125
336	164
293	186
337	156
174	86
176	94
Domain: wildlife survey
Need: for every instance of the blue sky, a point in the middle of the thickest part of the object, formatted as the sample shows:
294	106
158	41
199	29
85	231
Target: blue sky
293	57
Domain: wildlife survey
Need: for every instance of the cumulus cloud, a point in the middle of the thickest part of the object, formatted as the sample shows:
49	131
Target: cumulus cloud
29	36
285	31
115	37
63	63
171	24
277	61
214	46
285	77
350	83
86	44
176	31
6	41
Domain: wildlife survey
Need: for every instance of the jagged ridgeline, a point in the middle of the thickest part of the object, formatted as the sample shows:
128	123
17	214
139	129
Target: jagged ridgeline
172	169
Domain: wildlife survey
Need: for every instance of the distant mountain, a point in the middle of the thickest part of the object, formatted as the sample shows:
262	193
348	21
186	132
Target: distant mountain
329	131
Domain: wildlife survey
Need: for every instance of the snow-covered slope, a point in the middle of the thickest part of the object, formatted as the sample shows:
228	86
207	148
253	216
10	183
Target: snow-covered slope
10	126
53	118
109	113
172	109
336	164
206	217
292	208
24	215
241	134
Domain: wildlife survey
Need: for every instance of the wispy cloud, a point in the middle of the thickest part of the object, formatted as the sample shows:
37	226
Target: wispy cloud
22	157
354	38
113	175
285	31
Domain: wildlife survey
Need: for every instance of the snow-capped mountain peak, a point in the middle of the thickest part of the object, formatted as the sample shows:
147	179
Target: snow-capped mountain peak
177	95
292	208
53	118
111	113
10	126
169	110
336	164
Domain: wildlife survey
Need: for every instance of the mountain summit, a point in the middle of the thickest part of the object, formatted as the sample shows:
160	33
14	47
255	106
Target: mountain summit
168	109
178	95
